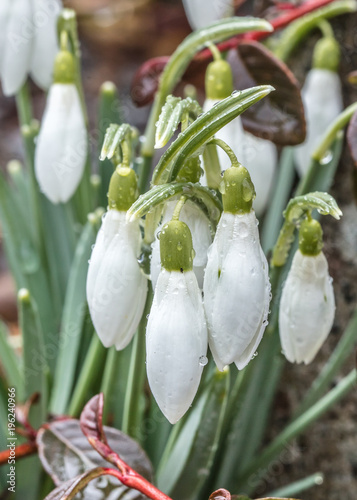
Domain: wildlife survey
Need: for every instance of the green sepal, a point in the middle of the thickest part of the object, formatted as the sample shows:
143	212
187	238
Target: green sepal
237	190
326	54
123	189
64	68
310	237
176	248
191	171
218	80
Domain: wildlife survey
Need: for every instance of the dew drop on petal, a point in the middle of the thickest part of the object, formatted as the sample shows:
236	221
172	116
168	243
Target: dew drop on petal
203	360
326	158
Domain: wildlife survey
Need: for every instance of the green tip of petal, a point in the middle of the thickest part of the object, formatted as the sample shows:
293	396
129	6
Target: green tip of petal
237	190
310	237
176	249
123	189
64	69
23	295
219	80
327	54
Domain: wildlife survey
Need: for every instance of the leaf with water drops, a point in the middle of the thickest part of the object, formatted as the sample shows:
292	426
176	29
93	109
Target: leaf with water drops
176	110
297	208
203	196
203	129
114	137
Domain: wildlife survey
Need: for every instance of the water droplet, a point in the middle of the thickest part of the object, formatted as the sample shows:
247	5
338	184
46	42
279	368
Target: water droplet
242	229
179	247
327	157
203	360
158	235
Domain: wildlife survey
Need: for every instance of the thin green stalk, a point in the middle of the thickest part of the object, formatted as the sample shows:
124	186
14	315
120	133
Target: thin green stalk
297	487
133	407
258	466
338	124
144	173
23	104
332	367
92	369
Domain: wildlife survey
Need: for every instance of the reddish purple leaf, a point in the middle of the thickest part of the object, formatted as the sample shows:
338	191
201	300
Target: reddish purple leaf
280	117
220	494
352	137
146	80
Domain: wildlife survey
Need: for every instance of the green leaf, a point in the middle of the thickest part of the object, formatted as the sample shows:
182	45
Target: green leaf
72	319
187	467
173	112
35	354
203	129
147	202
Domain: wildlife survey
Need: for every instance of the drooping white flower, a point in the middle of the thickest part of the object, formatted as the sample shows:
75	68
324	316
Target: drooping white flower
307	306
258	155
200	229
62	144
28	42
201	13
322	98
176	338
236	283
116	287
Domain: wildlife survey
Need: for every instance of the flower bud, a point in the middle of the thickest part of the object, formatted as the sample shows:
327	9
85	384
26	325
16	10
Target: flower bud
307	306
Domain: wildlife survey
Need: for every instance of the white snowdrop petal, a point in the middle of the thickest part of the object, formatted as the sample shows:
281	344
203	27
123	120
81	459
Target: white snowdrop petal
62	144
118	297
176	341
5	6
45	45
201	13
322	98
260	159
307	308
17	47
112	220
240	297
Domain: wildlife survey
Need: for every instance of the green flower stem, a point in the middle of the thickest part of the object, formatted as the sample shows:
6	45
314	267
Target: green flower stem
133	404
108	381
181	58
332	367
297	487
212	166
340	122
23	105
298	30
91	371
258	467
229	151
178	208
326	29
274	218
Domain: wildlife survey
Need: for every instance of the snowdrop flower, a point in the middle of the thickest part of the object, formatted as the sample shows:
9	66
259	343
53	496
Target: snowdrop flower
28	42
307	306
200	229
116	287
62	144
236	283
176	336
201	13
322	98
258	155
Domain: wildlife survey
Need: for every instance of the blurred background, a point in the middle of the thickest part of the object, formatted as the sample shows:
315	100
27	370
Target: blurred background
117	36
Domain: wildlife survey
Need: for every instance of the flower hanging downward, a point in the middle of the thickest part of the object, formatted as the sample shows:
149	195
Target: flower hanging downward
28	42
116	287
236	284
322	97
307	306
62	145
176	340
